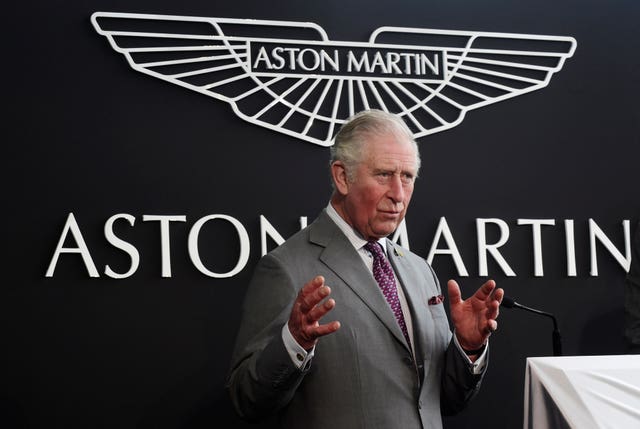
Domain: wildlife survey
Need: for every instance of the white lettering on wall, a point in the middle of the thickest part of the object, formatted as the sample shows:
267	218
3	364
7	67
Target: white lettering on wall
243	238
165	246
536	224
118	243
596	233
451	249
443	244
267	229
401	236
484	247
263	57
81	247
354	65
571	248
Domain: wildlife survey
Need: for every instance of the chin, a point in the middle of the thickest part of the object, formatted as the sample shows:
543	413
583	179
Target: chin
384	232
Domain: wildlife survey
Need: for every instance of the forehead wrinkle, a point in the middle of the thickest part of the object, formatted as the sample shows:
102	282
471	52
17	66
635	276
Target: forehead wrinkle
390	163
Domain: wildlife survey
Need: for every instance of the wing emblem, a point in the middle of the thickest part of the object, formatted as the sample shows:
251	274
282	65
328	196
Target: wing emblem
290	78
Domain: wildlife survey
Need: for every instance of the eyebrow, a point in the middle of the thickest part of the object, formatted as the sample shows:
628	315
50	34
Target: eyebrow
406	172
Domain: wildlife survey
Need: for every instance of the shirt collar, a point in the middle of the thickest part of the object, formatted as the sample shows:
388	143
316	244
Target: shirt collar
352	235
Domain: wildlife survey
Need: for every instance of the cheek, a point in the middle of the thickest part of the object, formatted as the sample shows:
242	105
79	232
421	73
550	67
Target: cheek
378	201
370	198
407	194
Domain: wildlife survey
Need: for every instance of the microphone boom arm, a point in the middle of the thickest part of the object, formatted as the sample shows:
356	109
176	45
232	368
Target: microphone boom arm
557	343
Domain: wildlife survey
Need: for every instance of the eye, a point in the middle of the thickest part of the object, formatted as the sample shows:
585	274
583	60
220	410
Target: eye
407	178
383	175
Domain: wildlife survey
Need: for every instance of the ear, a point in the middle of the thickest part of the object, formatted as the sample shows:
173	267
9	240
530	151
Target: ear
339	175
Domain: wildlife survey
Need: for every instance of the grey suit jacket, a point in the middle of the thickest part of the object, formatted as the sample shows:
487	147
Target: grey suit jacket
362	376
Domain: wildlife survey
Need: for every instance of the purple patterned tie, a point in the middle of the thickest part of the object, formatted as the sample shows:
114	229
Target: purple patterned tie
383	274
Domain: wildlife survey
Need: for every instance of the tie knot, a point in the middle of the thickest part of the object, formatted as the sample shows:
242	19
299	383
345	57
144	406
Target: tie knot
374	247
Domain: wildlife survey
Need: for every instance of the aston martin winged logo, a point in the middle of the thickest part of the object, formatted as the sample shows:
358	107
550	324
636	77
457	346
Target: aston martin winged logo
289	77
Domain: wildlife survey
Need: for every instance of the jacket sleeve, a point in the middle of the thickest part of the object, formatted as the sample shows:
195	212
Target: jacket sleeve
262	378
459	384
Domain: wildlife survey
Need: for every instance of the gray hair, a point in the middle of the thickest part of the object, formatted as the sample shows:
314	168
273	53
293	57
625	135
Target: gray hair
350	140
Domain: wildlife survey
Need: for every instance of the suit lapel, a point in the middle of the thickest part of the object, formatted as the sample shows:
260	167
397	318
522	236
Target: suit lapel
341	258
416	296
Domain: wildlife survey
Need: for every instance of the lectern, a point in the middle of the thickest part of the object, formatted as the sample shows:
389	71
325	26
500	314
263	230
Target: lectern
582	392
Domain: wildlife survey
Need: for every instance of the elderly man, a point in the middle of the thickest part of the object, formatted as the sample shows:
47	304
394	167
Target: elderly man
387	358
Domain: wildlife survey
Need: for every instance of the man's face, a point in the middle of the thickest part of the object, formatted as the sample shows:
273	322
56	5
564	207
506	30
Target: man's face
376	201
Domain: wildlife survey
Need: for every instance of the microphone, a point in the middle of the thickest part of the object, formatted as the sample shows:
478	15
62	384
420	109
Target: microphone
557	343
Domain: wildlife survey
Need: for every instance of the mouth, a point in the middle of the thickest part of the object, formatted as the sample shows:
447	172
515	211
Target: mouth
390	213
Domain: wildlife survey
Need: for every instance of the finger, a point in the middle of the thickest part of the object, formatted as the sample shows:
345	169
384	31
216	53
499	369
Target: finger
327	328
493	310
485	290
309	302
453	289
492	326
312	285
320	310
311	294
498	294
493	304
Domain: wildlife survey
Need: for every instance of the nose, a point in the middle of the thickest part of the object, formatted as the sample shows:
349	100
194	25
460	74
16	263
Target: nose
396	189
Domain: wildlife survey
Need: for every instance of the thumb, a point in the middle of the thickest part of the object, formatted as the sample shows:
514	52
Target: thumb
455	296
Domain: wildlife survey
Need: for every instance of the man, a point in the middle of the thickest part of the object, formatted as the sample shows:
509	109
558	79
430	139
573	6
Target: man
387	359
632	297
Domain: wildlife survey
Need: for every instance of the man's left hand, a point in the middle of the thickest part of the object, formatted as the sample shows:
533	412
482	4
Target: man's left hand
474	319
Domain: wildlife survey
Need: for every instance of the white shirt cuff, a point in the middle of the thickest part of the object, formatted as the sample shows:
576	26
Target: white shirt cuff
478	366
299	356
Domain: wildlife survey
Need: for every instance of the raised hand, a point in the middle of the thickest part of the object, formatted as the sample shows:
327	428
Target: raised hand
474	319
309	307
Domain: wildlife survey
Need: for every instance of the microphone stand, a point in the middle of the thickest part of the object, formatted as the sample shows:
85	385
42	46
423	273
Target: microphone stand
555	336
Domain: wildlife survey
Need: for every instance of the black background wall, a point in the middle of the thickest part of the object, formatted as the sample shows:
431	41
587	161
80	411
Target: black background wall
84	133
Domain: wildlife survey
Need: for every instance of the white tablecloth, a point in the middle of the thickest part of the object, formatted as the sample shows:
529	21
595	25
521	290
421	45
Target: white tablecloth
582	392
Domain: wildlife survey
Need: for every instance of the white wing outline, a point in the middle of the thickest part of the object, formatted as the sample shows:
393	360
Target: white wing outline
475	76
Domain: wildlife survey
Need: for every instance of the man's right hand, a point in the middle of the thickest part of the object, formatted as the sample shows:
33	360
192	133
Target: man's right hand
309	307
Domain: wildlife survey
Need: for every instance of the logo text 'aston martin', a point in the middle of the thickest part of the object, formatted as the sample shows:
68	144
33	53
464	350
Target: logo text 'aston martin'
346	61
290	78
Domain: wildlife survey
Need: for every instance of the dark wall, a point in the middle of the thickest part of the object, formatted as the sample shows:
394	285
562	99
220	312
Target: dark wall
86	134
